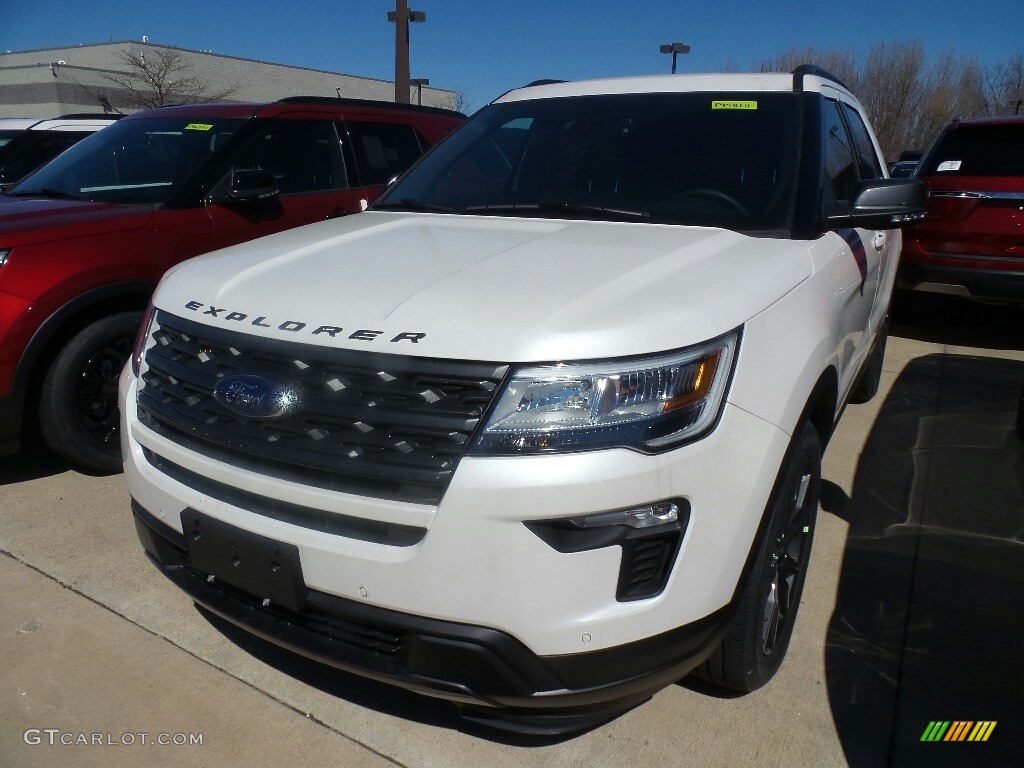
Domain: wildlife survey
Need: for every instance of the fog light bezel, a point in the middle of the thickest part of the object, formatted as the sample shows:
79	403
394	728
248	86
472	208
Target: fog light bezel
598	530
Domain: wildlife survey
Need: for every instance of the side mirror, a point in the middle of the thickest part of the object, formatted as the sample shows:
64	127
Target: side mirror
882	204
250	186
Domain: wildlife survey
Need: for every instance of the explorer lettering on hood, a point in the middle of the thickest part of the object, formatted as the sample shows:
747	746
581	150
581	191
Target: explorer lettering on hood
297	326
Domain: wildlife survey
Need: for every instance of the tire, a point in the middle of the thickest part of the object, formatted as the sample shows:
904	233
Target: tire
1020	415
870	378
756	642
78	412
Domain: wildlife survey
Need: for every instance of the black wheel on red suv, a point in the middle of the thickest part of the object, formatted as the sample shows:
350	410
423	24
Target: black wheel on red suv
1020	415
78	411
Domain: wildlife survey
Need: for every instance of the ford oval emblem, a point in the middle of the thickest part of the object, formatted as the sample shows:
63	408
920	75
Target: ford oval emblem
256	397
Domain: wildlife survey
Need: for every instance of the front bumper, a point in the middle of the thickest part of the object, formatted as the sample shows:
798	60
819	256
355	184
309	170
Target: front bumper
492	675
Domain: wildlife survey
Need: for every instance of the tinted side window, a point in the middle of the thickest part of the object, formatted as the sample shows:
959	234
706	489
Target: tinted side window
840	170
302	155
867	158
383	150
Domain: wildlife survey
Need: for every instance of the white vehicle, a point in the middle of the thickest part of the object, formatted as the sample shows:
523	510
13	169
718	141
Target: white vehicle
25	145
541	431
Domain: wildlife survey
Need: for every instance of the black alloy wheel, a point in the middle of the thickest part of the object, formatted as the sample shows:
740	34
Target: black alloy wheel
78	410
756	641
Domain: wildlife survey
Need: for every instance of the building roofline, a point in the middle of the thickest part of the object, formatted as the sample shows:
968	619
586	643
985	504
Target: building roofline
118	43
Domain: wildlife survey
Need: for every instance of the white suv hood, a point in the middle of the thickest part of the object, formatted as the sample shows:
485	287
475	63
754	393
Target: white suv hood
488	288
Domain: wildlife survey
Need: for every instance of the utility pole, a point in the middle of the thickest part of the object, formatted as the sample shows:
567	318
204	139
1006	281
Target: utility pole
401	17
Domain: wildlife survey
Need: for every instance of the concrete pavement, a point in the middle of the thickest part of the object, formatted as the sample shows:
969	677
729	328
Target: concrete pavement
912	613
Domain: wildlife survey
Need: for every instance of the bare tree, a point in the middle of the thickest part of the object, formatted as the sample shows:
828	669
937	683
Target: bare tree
460	101
909	101
953	88
891	91
1003	85
843	64
156	77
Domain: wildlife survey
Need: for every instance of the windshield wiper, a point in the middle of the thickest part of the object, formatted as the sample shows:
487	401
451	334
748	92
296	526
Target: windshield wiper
58	194
409	204
595	210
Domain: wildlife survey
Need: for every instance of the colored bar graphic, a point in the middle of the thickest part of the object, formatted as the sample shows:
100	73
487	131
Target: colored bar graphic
982	730
958	730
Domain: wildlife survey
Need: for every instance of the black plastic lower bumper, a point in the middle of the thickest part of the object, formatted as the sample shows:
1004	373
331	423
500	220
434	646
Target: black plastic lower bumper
494	677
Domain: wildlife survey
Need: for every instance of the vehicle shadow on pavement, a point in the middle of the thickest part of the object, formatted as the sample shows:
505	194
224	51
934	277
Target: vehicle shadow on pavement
957	321
930	606
32	463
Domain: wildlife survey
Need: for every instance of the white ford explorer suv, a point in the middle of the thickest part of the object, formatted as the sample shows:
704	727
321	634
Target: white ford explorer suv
540	432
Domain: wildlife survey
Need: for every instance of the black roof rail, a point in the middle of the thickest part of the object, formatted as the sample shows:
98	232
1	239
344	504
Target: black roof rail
813	69
543	81
344	101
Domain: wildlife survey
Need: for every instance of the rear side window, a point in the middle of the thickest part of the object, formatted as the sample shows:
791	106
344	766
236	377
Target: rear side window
383	150
979	150
302	155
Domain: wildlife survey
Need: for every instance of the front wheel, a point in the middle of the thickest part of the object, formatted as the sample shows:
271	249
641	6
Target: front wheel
78	412
757	639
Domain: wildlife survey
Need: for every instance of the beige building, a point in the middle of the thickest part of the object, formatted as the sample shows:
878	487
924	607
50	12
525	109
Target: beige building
59	81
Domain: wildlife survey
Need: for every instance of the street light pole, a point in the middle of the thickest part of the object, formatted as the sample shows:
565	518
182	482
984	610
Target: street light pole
401	17
675	49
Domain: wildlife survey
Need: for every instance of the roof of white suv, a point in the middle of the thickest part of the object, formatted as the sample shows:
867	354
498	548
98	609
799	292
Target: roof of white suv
811	79
73	123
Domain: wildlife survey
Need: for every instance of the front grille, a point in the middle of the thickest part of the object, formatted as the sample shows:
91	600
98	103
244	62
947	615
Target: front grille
387	426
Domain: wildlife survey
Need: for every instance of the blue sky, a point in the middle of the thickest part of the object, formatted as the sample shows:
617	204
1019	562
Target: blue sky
484	48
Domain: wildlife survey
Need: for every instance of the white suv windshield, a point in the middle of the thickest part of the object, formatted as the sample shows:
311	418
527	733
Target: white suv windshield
132	161
712	159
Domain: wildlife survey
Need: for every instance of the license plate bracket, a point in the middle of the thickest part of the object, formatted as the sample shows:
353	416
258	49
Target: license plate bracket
267	569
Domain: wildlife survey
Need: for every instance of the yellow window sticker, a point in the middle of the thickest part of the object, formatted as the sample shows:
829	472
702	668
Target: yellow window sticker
198	127
734	105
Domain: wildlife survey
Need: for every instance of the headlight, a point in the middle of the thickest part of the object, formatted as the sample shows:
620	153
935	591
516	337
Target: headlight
141	339
647	405
3	255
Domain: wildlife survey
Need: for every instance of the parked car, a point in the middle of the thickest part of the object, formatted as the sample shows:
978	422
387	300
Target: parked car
903	169
42	141
541	431
84	239
970	244
14	126
911	155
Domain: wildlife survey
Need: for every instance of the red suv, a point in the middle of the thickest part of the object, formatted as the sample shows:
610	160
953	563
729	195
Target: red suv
84	240
972	242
